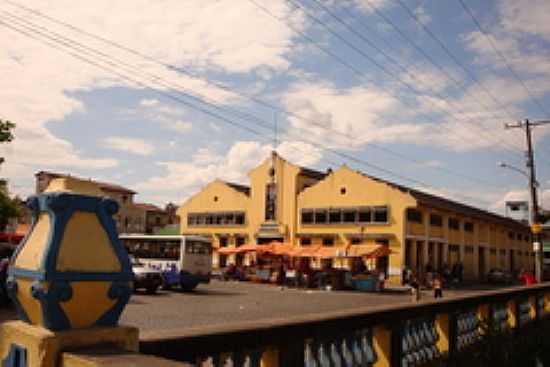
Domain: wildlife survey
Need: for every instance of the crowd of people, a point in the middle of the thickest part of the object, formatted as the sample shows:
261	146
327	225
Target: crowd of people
299	273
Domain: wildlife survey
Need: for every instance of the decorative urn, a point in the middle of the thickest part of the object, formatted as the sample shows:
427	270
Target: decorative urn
70	271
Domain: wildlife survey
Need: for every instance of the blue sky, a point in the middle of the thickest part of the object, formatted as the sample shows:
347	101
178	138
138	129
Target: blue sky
335	77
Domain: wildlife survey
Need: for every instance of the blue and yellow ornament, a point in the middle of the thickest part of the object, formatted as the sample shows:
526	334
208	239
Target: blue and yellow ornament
71	271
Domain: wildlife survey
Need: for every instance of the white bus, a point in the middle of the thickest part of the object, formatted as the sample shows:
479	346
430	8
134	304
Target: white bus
182	260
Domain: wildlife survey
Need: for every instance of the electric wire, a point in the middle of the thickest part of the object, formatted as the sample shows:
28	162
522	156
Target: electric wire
124	77
385	70
254	118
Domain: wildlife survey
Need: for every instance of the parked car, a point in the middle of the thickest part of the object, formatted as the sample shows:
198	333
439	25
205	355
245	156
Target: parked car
145	277
499	276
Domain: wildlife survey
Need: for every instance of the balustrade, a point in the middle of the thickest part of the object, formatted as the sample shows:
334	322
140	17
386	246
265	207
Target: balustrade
404	335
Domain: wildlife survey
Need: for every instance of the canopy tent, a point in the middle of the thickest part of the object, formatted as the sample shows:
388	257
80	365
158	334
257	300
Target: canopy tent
369	251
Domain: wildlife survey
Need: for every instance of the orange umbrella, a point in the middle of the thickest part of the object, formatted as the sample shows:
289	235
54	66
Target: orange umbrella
227	250
370	251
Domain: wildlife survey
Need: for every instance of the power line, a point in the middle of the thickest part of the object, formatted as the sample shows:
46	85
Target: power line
355	70
255	119
501	55
407	85
418	48
55	45
452	56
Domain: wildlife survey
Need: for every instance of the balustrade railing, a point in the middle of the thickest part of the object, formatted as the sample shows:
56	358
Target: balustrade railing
406	335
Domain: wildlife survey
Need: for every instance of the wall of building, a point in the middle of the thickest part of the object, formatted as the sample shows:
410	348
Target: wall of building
346	188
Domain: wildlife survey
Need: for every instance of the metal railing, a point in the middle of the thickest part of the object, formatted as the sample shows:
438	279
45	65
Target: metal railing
405	335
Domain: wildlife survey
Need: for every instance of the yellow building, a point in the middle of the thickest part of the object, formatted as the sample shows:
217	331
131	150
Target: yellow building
346	208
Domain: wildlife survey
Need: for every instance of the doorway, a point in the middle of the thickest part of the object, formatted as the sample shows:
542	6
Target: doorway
481	262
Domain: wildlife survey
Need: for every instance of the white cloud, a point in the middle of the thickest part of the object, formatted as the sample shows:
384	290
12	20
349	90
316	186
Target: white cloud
185	178
344	118
130	145
181	127
526	16
149	102
367	5
36	79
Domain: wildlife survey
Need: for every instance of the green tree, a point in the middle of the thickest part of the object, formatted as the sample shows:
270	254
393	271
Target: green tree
8	206
6	131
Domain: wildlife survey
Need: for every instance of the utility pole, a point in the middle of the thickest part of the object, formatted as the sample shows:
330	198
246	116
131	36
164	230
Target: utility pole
527	126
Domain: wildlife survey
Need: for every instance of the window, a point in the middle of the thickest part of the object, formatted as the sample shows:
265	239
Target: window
349	215
239	241
364	215
201	219
307	216
511	235
320	216
335	216
454	224
380	214
356	241
436	220
209	219
328	241
305	241
218	219
271	201
223	241
239	218
229	218
414	215
343	191
469	249
468	226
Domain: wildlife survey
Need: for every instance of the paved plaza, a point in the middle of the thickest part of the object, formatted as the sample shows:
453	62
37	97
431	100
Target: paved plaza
230	303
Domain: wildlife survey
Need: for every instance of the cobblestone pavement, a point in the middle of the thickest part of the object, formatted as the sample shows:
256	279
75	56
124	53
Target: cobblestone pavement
231	302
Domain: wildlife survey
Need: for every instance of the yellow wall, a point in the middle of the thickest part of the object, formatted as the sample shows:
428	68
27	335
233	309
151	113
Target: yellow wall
297	190
216	197
359	191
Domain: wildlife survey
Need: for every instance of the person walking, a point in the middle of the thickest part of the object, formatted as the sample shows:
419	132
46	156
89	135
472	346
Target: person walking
415	289
438	287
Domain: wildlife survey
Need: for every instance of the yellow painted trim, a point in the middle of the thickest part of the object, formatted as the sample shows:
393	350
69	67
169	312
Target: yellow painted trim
381	338
442	327
86	247
270	358
31	254
533	307
512	316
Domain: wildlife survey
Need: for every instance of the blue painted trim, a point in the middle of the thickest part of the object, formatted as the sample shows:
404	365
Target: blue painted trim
11	286
17	357
53	316
121	291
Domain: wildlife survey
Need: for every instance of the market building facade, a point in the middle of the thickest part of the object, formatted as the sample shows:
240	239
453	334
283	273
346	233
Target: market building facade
345	211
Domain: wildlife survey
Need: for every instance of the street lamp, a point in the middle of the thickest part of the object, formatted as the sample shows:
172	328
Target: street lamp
513	168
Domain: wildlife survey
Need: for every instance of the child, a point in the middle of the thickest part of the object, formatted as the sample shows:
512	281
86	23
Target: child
438	287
